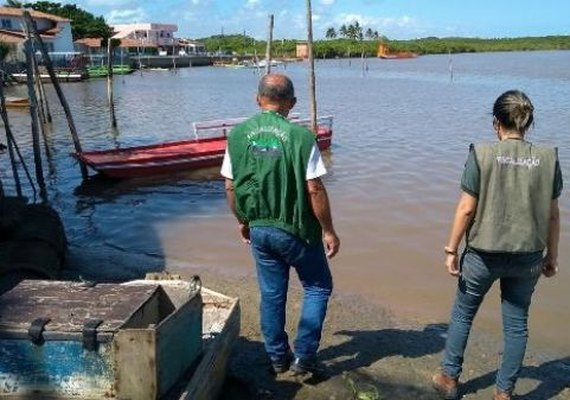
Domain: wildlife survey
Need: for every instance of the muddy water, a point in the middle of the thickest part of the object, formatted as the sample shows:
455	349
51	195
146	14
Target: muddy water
402	130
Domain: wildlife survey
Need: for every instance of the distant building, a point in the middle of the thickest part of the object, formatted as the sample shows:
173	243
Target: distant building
88	45
160	36
302	50
190	47
55	31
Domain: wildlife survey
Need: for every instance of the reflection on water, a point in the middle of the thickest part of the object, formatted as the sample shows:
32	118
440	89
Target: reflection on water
402	131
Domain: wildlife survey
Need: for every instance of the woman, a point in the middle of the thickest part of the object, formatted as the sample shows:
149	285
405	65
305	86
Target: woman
508	213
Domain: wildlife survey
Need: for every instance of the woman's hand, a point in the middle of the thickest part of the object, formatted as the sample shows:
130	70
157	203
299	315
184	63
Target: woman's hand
549	266
452	264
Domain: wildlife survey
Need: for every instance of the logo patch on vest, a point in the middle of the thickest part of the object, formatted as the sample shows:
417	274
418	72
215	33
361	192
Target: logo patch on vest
267	141
528	162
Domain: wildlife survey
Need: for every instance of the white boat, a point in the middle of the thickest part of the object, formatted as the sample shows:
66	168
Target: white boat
274	63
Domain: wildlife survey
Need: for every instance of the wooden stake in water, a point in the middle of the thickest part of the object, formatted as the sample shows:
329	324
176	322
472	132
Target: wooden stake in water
110	82
450	66
29	51
49	66
312	85
9	137
269	43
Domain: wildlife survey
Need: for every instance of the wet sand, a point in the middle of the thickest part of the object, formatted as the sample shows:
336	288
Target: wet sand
364	346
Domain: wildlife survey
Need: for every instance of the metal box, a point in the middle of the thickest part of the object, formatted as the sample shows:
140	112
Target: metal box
78	341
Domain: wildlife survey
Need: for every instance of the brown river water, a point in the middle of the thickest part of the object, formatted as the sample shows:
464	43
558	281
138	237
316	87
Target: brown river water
401	135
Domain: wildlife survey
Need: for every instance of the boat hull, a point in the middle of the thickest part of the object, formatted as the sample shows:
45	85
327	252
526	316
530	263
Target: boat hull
171	157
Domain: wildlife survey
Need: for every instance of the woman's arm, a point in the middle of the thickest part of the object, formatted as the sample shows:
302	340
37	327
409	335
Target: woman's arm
464	214
550	265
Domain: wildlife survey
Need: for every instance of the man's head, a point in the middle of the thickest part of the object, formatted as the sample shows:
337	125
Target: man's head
276	93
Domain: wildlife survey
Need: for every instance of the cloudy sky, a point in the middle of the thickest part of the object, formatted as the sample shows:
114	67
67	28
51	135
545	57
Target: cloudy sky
397	19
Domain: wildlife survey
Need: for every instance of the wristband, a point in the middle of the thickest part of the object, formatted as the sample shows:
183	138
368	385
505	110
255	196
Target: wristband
450	251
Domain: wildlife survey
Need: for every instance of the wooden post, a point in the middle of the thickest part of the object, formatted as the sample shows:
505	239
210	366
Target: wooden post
9	138
110	82
42	115
46	103
312	85
29	51
38	79
269	44
57	87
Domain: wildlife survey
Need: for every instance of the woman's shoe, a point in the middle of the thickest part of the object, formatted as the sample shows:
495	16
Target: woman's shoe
446	386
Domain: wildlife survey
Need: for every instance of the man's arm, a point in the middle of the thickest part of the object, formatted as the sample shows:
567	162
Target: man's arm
319	201
231	199
550	265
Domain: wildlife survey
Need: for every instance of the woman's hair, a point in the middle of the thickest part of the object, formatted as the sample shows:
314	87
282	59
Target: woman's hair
514	110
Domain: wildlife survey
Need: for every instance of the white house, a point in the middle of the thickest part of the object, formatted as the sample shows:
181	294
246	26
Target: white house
147	34
55	31
190	47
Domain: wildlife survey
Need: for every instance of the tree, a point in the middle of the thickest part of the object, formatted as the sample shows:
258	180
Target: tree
13	4
354	31
331	33
83	23
4	51
343	31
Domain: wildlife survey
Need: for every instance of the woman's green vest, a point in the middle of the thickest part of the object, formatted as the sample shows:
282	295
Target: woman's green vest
269	157
515	196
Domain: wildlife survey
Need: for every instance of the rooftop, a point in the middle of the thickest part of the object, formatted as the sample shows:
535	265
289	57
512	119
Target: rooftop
19	12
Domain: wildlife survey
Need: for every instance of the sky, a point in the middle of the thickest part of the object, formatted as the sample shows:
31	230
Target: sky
396	19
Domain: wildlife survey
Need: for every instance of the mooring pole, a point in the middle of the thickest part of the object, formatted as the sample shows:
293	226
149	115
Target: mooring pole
29	51
41	102
312	85
9	138
110	82
57	87
269	44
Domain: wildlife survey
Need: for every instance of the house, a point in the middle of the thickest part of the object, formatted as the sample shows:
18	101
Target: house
144	35
190	47
55	31
302	50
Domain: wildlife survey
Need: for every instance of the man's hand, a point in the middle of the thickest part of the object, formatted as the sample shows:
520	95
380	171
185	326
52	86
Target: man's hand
244	233
332	243
549	266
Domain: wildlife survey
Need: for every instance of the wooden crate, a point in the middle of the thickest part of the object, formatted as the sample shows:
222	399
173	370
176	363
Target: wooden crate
221	326
147	338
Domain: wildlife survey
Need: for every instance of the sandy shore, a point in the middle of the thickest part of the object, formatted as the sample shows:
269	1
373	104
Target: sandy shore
364	347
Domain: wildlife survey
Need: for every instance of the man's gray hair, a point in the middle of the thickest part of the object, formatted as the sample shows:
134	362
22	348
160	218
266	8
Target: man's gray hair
276	87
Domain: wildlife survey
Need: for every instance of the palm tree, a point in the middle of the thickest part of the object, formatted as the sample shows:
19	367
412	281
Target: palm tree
14	4
331	33
343	31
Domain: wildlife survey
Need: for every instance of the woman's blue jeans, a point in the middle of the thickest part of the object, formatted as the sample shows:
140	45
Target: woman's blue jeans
518	275
275	251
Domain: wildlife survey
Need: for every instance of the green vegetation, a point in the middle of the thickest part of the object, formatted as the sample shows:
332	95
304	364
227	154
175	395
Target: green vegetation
83	23
4	51
345	45
246	45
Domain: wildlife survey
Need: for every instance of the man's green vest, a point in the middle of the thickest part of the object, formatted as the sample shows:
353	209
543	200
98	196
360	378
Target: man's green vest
515	196
269	157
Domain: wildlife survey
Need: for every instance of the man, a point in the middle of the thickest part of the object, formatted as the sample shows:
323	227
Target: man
272	169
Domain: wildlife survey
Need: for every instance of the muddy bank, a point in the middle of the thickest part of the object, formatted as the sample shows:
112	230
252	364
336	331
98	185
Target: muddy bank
365	348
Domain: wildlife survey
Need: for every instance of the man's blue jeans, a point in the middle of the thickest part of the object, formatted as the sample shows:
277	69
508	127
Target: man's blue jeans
518	275
275	251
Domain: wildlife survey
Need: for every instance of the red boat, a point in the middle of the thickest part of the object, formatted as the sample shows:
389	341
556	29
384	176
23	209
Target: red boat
190	154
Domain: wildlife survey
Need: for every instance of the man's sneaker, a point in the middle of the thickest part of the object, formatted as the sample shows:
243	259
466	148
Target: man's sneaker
304	366
282	364
500	395
445	385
